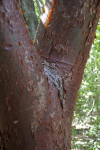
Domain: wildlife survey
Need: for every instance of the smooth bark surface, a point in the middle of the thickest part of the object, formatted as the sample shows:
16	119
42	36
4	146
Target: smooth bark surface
36	110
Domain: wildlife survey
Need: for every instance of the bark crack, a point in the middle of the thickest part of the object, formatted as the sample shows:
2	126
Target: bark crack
52	72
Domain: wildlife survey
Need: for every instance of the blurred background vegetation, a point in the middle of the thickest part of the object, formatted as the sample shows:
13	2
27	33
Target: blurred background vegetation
86	123
39	5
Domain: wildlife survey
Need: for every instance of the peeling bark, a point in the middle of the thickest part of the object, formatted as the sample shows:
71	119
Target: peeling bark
36	108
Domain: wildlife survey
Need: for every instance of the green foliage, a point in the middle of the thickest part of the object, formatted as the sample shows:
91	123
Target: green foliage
39	5
88	105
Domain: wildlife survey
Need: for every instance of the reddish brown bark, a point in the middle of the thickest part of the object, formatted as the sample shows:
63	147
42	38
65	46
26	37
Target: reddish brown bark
23	88
64	43
36	111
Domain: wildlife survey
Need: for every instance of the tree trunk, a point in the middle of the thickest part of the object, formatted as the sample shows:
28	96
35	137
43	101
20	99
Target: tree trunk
63	40
23	86
36	109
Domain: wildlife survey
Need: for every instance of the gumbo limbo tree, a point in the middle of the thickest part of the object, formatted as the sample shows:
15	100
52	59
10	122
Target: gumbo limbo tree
39	80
